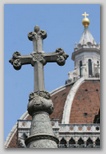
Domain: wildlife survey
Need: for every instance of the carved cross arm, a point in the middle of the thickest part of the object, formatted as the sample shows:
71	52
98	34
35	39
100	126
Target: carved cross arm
58	56
17	60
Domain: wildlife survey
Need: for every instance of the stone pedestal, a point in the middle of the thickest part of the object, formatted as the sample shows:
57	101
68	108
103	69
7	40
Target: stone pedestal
41	134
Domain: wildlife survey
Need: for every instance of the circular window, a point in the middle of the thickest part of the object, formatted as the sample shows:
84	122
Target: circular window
85	114
97	128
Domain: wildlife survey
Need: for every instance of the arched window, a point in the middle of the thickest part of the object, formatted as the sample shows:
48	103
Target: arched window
97	118
89	143
80	68
72	142
81	142
63	143
97	63
90	67
97	142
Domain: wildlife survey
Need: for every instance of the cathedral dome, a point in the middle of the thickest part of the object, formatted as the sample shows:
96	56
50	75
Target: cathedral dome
77	103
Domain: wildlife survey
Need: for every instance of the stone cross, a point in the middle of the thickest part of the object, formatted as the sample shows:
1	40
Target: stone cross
85	14
38	58
40	105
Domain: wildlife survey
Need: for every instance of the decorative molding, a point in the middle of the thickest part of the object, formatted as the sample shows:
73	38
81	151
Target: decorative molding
37	33
39	137
40	101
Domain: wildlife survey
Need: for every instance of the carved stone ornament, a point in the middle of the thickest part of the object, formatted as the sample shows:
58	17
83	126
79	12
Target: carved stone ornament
15	61
17	64
37	33
62	56
44	94
16	54
37	57
39	101
31	36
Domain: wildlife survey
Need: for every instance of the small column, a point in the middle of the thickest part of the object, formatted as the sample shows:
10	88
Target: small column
84	144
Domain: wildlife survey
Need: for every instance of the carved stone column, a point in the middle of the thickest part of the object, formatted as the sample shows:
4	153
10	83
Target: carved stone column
41	134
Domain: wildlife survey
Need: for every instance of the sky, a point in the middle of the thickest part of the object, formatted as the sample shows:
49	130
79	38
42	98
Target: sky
63	24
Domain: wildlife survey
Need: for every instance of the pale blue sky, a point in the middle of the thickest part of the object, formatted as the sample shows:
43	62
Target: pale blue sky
62	22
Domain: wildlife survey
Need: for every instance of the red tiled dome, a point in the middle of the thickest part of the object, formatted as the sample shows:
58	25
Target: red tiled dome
85	105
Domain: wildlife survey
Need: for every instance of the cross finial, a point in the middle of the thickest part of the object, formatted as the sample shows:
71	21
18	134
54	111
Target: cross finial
85	14
85	20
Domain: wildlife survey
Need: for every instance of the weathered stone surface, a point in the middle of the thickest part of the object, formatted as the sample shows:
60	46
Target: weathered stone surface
41	124
44	143
39	103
